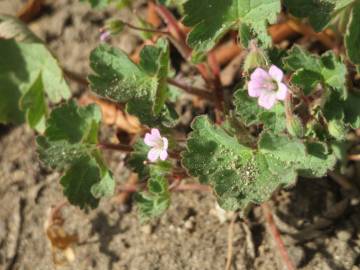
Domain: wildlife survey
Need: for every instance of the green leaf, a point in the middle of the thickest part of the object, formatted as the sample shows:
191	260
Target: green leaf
34	104
137	158
143	87
347	111
248	110
318	161
9	101
211	19
237	173
352	110
298	58
286	149
352	36
29	72
78	181
59	154
74	124
331	70
12	28
319	13
307	80
105	187
69	145
98	3
309	160
156	200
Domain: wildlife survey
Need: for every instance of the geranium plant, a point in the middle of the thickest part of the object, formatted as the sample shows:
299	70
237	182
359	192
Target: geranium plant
287	113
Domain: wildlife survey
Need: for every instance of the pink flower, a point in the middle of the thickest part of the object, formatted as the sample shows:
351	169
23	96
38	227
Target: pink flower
105	36
267	86
158	144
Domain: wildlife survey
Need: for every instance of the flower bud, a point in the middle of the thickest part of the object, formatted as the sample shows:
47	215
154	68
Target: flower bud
255	58
294	126
114	26
336	129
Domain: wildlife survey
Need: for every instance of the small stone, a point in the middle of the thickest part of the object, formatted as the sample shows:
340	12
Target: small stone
147	229
297	254
190	224
343	235
221	214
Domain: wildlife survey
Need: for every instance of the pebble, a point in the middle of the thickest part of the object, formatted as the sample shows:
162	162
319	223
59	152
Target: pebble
297	254
190	224
146	229
221	214
343	235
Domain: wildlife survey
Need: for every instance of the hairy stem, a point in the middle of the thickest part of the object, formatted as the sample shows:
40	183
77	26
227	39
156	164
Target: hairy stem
277	237
146	29
128	149
191	90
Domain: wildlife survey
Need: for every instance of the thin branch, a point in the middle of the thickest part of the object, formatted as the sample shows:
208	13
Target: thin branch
340	180
354	157
187	88
192	90
277	237
230	247
179	188
128	149
175	30
118	147
146	29
218	93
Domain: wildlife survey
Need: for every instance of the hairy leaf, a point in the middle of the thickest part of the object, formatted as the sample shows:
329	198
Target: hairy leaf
211	19
352	37
69	145
238	174
251	113
318	12
156	200
327	69
143	87
29	72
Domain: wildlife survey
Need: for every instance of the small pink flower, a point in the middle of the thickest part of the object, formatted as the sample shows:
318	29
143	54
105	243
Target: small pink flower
267	86
158	144
105	36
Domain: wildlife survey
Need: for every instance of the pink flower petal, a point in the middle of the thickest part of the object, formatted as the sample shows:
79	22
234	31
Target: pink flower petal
165	143
282	91
105	36
154	154
163	155
267	99
276	73
150	140
156	133
259	75
254	89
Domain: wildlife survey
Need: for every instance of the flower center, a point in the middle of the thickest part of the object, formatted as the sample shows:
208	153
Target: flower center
159	144
270	85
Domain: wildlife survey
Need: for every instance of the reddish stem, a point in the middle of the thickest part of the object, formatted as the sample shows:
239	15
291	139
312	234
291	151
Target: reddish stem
146	29
118	147
175	30
219	98
180	187
128	149
277	237
191	90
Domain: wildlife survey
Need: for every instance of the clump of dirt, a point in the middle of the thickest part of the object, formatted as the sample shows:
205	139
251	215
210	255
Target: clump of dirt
319	220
